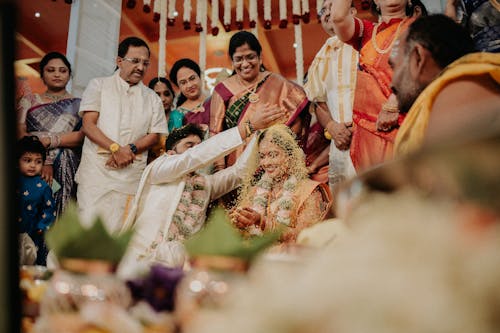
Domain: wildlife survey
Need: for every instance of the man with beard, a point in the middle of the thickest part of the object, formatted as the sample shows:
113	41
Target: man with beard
122	119
435	76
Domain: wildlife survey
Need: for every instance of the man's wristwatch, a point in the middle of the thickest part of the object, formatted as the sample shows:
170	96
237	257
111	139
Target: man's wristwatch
133	148
114	147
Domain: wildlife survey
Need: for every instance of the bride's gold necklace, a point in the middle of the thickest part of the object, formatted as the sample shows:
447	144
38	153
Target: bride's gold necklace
253	97
374	38
54	97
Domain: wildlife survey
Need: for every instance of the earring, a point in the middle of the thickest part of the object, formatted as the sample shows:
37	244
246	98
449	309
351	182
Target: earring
409	3
378	8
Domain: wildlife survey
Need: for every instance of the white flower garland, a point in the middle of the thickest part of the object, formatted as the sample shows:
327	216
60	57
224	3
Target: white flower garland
156	6
187	11
252	11
171	9
162	40
227	13
215	13
299	54
239	10
267	10
199	13
147	3
202	7
305	6
296	7
319	5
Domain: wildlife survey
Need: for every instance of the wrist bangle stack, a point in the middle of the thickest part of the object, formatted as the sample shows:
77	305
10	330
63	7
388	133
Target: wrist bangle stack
249	129
391	108
55	140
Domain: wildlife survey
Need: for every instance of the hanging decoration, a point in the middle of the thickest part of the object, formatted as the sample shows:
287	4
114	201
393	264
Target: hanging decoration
131	4
172	13
267	14
239	14
146	7
156	11
299	53
227	15
306	16
202	60
199	15
162	40
252	13
215	17
296	12
283	16
319	5
187	15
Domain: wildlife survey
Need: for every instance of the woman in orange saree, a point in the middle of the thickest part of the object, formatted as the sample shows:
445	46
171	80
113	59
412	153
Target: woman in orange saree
375	116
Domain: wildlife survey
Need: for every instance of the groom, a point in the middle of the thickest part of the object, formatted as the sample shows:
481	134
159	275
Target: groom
171	202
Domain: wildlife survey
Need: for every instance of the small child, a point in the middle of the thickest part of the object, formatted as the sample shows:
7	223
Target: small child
36	203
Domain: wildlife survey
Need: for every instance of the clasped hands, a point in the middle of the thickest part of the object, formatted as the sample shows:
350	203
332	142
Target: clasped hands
341	134
245	217
121	158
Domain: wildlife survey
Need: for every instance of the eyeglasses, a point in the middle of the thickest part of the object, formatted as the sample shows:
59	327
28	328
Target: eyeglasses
249	58
137	61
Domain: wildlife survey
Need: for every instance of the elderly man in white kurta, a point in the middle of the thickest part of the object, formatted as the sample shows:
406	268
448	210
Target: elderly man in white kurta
331	84
172	199
122	119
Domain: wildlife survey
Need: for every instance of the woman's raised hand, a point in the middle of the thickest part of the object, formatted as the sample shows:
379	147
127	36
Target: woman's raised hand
266	116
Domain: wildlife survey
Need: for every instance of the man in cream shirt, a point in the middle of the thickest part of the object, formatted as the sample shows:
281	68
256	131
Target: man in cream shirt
122	119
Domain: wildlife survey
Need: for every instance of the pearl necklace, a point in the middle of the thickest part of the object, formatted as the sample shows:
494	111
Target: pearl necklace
56	98
374	38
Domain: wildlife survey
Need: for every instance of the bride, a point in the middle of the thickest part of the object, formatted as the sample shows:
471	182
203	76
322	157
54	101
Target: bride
281	194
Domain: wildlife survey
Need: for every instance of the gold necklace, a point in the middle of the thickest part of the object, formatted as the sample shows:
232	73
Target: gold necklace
374	38
56	98
253	97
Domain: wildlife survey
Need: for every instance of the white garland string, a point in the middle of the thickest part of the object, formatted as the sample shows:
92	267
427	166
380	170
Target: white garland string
171	9
305	6
239	10
299	55
187	11
215	13
147	3
202	7
162	41
319	5
296	7
156	6
252	10
267	10
227	12
199	3
282	10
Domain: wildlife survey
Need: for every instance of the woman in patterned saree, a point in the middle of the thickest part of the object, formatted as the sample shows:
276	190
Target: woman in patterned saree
250	89
375	116
281	195
53	117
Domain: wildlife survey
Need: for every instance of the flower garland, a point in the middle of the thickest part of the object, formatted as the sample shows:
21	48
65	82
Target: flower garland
267	14
202	7
299	54
146	7
319	6
172	13
283	205
252	13
283	16
305	11
199	15
227	15
186	18
296	12
162	41
239	14
156	11
215	17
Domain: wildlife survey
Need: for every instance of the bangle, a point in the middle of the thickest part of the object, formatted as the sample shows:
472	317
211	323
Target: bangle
249	129
327	134
391	108
55	140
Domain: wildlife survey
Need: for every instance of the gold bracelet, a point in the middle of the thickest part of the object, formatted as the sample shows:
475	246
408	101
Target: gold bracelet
249	129
390	108
327	134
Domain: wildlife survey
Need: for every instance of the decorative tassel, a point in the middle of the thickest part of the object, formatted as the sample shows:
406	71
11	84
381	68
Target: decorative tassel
296	12
239	14
130	4
227	15
305	11
215	17
252	13
187	15
171	13
267	14
146	8
283	17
